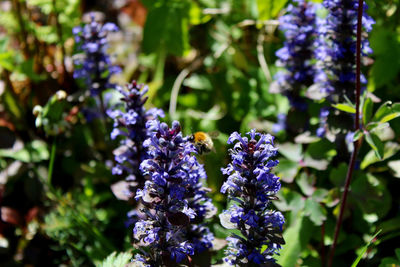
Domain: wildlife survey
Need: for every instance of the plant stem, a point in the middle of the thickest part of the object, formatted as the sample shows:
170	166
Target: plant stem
51	163
358	143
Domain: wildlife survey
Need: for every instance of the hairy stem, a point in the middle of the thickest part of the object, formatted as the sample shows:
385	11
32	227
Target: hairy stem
358	143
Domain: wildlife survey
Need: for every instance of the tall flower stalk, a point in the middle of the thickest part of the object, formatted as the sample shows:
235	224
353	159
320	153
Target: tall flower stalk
175	202
336	48
130	127
297	53
94	66
357	144
252	186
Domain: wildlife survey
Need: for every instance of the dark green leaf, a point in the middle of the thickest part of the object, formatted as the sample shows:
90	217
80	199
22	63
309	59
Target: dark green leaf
367	110
376	144
166	28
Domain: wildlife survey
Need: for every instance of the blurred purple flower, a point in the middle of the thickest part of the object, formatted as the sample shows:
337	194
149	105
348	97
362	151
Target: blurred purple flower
297	54
95	67
335	49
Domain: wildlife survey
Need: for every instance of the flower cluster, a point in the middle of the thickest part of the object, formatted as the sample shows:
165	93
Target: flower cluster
130	127
336	48
297	53
252	185
175	202
95	66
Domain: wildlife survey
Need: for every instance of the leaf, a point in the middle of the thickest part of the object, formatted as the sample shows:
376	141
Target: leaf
391	148
268	9
376	144
376	126
32	152
291	151
200	82
364	249
387	112
316	212
318	164
395	166
287	170
116	260
323	150
345	107
166	28
296	237
6	60
305	138
367	110
305	183
357	135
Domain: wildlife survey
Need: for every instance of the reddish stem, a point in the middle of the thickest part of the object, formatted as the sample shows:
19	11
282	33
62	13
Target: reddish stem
357	144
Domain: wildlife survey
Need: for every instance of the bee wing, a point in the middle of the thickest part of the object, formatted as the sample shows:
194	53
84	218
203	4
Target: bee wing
213	134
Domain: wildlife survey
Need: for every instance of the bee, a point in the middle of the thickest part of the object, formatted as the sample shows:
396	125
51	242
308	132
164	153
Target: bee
203	141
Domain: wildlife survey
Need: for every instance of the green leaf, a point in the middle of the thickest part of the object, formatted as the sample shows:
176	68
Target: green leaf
32	152
376	126
297	237
345	107
364	249
116	260
387	112
7	61
269	9
287	170
167	28
291	151
397	251
367	110
306	184
376	144
357	135
316	212
201	82
391	148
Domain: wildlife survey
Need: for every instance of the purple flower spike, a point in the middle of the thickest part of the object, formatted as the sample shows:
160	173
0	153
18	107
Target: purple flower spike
296	55
174	199
95	66
130	127
335	49
251	184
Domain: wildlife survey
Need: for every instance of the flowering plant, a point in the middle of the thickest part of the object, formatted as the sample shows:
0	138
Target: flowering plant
252	185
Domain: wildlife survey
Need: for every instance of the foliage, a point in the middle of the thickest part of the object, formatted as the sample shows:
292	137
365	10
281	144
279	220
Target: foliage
212	66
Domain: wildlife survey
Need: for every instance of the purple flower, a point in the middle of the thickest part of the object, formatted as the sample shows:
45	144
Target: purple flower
95	67
174	198
130	118
252	185
323	122
297	54
335	49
